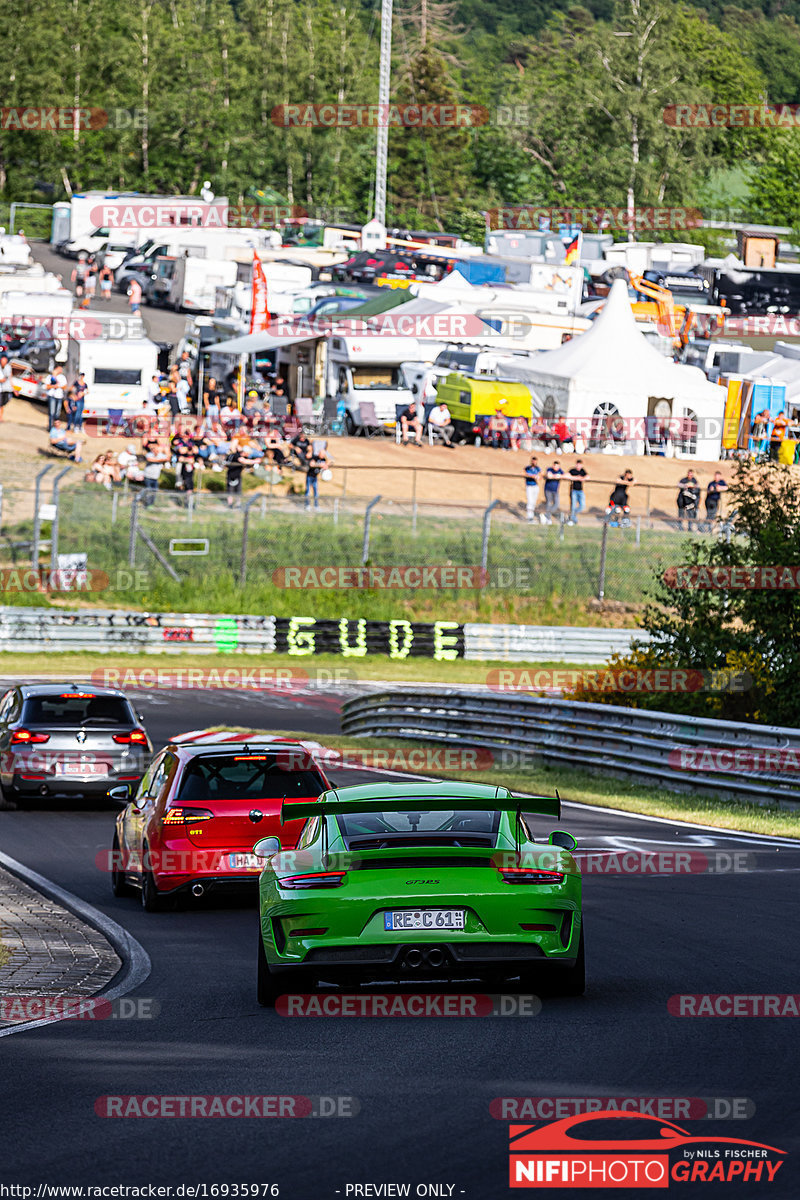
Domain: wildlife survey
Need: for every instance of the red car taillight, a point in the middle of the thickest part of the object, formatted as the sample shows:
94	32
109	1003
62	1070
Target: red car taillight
179	814
137	737
530	875
315	879
24	737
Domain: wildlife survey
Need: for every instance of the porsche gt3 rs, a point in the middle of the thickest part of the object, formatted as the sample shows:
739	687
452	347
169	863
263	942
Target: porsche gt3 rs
420	881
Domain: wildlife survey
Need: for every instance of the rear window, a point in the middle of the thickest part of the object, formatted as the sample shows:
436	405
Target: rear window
73	709
454	827
247	777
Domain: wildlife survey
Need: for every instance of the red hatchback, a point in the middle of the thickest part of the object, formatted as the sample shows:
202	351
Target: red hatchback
199	810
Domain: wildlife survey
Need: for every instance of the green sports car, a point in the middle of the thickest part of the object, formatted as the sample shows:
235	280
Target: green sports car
407	882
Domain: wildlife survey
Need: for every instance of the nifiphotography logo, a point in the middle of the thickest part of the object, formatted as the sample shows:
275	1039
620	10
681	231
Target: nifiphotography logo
616	1149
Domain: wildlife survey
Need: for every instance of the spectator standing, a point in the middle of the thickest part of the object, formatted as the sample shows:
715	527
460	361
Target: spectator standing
106	278
135	296
760	426
78	276
235	464
76	399
713	493
577	496
56	389
441	422
688	499
185	368
532	473
6	382
90	284
777	435
551	483
155	456
317	462
211	404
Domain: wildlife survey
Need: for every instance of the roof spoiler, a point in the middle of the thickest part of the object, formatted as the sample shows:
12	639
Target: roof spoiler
331	802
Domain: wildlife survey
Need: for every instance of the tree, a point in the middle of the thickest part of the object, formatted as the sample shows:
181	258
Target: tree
754	630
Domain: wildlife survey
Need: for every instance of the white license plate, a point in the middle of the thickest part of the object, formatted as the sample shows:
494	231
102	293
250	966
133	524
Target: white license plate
425	918
81	768
245	862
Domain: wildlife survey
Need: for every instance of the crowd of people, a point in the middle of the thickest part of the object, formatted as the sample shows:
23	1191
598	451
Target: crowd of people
619	506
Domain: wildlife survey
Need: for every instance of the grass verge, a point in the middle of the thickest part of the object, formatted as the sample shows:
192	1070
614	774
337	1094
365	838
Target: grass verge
331	667
588	788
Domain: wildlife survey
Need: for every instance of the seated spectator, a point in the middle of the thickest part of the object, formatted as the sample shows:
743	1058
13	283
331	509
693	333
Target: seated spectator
539	430
235	462
129	464
441	423
274	450
562	434
252	407
499	429
518	432
104	470
301	448
409	419
67	441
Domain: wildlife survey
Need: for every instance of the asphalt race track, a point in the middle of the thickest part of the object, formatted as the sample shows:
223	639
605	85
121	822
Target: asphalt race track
423	1085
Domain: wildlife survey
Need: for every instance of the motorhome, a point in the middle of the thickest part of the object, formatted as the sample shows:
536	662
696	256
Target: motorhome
355	370
190	284
119	361
195	243
82	213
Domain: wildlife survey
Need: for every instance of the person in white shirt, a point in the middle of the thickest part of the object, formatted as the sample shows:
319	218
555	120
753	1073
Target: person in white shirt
182	392
129	463
441	422
56	389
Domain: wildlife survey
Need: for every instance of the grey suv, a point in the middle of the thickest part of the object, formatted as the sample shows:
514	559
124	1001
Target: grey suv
69	740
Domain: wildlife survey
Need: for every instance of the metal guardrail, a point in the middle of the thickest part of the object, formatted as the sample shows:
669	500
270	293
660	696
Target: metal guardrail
546	643
653	746
29	630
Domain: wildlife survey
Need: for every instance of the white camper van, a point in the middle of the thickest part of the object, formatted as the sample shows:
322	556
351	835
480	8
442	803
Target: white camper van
119	361
190	284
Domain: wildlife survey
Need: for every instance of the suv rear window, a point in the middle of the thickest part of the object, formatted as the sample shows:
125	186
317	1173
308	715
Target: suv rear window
74	709
248	777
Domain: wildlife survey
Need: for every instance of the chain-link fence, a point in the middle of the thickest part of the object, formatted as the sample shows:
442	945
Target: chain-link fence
199	552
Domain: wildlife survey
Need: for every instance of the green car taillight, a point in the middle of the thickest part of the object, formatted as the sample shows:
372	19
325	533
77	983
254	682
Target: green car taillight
315	879
530	875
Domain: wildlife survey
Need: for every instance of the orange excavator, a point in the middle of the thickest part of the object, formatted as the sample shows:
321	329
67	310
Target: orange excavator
673	320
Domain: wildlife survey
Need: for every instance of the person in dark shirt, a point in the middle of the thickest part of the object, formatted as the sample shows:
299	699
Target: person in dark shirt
713	492
532	473
317	463
301	448
577	500
551	482
409	419
688	499
235	463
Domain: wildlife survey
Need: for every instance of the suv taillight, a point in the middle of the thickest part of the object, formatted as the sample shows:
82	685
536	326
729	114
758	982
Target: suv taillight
136	737
24	737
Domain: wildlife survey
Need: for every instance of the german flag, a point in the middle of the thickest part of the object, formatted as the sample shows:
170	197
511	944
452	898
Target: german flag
573	251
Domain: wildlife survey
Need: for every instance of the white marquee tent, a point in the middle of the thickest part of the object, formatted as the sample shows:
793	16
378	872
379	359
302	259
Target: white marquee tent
612	370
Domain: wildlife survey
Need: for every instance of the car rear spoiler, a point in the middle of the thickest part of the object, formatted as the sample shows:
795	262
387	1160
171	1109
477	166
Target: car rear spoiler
329	803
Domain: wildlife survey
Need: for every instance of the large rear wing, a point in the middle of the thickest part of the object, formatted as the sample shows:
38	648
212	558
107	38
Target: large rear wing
497	799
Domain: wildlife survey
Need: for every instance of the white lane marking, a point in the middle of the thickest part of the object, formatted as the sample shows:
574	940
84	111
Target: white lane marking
136	965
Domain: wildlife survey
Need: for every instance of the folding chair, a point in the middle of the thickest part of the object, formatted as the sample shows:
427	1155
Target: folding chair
304	410
368	421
